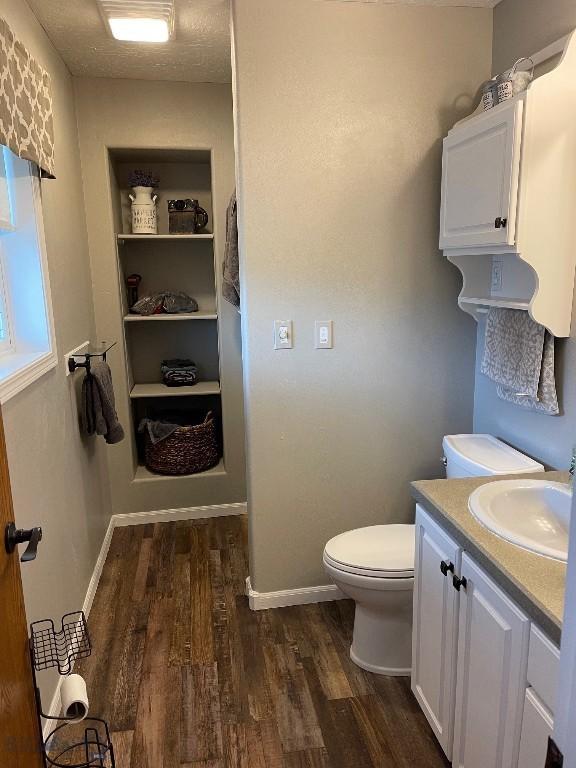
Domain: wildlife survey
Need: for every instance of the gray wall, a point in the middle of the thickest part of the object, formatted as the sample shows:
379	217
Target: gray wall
522	27
59	479
142	114
340	112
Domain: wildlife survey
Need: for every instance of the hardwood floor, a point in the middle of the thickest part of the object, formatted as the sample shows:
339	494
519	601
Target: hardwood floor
188	676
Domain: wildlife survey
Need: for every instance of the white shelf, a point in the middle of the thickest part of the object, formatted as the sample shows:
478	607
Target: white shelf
205	236
161	390
166	318
144	475
500	301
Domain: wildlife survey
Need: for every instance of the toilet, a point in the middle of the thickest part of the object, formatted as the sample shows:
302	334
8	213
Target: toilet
374	566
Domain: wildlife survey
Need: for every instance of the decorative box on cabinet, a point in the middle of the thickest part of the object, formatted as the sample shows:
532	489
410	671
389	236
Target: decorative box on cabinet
509	197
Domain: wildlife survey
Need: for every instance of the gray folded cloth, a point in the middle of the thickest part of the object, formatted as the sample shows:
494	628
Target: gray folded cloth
231	267
98	404
157	430
519	357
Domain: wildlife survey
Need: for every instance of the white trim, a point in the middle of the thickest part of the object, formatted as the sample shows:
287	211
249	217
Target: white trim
98	568
41	235
185	513
260	601
121	521
554	49
27	369
565	705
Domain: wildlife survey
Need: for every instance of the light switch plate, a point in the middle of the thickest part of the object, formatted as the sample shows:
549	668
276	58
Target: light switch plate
496	276
283	334
323	335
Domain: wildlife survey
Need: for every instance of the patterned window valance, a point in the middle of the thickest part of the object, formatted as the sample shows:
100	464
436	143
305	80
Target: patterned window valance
26	124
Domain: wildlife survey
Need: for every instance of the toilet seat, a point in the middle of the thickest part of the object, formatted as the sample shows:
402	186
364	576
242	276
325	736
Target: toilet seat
377	551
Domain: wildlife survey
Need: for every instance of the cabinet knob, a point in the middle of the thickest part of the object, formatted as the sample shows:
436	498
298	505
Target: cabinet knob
458	582
499	222
445	567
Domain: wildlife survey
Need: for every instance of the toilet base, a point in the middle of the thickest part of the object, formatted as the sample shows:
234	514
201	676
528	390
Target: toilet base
382	642
384	671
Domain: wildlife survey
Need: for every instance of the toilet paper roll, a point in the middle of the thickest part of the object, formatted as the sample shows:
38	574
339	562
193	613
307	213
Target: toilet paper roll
74	698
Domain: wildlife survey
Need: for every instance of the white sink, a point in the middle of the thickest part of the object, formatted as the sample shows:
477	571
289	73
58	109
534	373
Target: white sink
534	514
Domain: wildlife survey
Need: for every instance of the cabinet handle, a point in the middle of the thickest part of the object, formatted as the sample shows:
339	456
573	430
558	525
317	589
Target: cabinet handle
445	567
458	582
500	222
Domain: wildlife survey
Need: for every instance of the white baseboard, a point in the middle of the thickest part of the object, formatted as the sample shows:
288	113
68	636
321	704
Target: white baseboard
185	513
136	518
260	601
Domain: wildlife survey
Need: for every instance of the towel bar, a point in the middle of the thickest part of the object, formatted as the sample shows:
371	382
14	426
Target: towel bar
96	350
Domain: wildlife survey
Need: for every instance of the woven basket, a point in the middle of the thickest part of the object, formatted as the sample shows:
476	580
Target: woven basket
187	451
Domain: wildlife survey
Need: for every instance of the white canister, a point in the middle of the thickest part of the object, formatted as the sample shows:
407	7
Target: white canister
489	94
505	88
144	215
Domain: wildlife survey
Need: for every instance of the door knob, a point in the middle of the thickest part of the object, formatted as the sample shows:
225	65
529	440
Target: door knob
14	536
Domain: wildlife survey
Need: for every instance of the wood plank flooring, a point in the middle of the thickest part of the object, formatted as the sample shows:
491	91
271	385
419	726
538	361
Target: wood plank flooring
189	677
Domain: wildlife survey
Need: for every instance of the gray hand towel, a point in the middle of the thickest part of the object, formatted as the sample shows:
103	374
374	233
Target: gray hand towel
546	400
519	357
157	430
231	267
98	405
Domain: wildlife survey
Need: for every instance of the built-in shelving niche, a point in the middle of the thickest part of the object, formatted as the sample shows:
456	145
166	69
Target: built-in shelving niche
168	262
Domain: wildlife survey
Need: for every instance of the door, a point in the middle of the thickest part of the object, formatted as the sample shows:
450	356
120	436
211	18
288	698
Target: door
434	638
480	171
19	728
493	638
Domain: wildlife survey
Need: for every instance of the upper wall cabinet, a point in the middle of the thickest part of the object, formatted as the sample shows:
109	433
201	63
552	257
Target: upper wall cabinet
480	169
508	215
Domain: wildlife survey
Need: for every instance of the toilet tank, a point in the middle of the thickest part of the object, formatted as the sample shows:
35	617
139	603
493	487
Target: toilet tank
477	455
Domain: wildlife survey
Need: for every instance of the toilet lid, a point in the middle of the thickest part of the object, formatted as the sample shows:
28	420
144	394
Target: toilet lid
377	549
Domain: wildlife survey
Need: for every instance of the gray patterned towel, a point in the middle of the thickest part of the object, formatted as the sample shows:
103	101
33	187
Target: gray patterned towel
231	266
519	357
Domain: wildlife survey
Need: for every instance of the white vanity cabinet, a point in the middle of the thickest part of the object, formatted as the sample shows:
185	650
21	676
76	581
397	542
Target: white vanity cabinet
480	170
435	627
493	638
483	674
539	700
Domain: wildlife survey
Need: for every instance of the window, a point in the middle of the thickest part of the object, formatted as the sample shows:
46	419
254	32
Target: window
27	349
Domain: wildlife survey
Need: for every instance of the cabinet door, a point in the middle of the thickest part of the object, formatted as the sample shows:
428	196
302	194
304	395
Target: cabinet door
537	726
491	678
434	637
480	170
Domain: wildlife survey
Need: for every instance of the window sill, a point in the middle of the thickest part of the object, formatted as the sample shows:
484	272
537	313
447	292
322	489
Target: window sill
19	370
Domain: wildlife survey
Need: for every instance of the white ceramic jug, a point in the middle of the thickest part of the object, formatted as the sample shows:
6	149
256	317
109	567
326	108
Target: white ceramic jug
144	216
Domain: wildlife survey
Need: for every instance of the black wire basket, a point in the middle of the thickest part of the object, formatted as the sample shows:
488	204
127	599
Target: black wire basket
71	744
60	648
86	744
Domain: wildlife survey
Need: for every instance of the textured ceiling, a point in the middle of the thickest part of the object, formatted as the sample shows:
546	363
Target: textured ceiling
199	53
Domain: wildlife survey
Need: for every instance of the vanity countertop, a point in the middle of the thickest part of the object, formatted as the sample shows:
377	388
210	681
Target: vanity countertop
534	582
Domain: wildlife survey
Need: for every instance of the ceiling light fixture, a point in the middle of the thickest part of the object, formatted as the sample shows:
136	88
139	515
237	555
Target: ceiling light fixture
142	21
